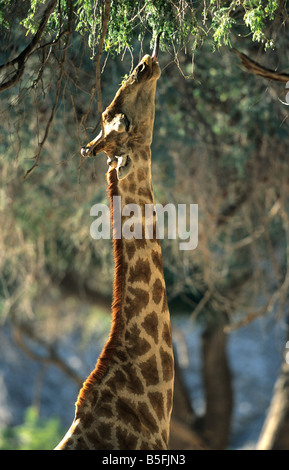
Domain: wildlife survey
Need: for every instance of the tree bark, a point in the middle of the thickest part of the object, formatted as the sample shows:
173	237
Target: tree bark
275	432
182	433
218	392
182	407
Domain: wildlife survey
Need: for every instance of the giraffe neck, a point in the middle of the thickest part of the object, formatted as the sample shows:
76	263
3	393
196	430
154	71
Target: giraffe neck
131	389
139	253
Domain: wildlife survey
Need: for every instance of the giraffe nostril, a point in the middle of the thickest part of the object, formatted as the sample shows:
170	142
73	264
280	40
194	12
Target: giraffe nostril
87	152
83	151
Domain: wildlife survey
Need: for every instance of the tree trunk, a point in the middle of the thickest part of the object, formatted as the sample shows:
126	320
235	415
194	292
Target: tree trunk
275	432
216	423
182	434
182	407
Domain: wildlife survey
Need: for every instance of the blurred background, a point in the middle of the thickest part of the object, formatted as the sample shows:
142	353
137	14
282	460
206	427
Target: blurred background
220	141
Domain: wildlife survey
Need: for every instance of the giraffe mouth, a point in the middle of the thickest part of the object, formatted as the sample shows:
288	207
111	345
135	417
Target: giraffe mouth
122	164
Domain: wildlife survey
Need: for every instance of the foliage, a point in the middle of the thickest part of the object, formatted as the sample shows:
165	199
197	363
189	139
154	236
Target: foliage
182	23
34	433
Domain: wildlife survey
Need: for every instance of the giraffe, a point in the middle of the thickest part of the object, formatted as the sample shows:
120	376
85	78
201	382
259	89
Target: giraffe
126	402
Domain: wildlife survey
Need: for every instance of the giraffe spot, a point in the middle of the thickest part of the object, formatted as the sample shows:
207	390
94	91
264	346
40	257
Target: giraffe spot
104	408
142	203
105	430
133	383
145	446
117	381
169	401
136	345
148	230
150	325
125	268
140	243
120	356
157	291
87	419
77	431
132	188
129	200
94	438
157	402
125	410
94	396
135	304
140	272
145	154
130	249
80	444
141	175
107	446
149	371
158	445
105	411
146	193
165	437
167	334
124	184
132	151
147	418
106	396
132	334
167	365
98	441
151	229
130	178
141	348
165	303
125	439
157	260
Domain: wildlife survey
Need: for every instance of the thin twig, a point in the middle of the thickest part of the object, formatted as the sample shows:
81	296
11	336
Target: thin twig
278	296
97	88
58	88
52	43
247	320
51	357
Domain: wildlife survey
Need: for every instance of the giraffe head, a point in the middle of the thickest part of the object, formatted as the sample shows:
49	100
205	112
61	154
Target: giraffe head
128	120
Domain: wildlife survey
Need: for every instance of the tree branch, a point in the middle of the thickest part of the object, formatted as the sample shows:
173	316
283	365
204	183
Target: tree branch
97	65
51	356
99	52
258	69
20	60
58	87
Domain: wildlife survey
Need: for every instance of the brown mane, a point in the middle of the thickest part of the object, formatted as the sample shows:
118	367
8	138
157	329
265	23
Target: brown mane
110	345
